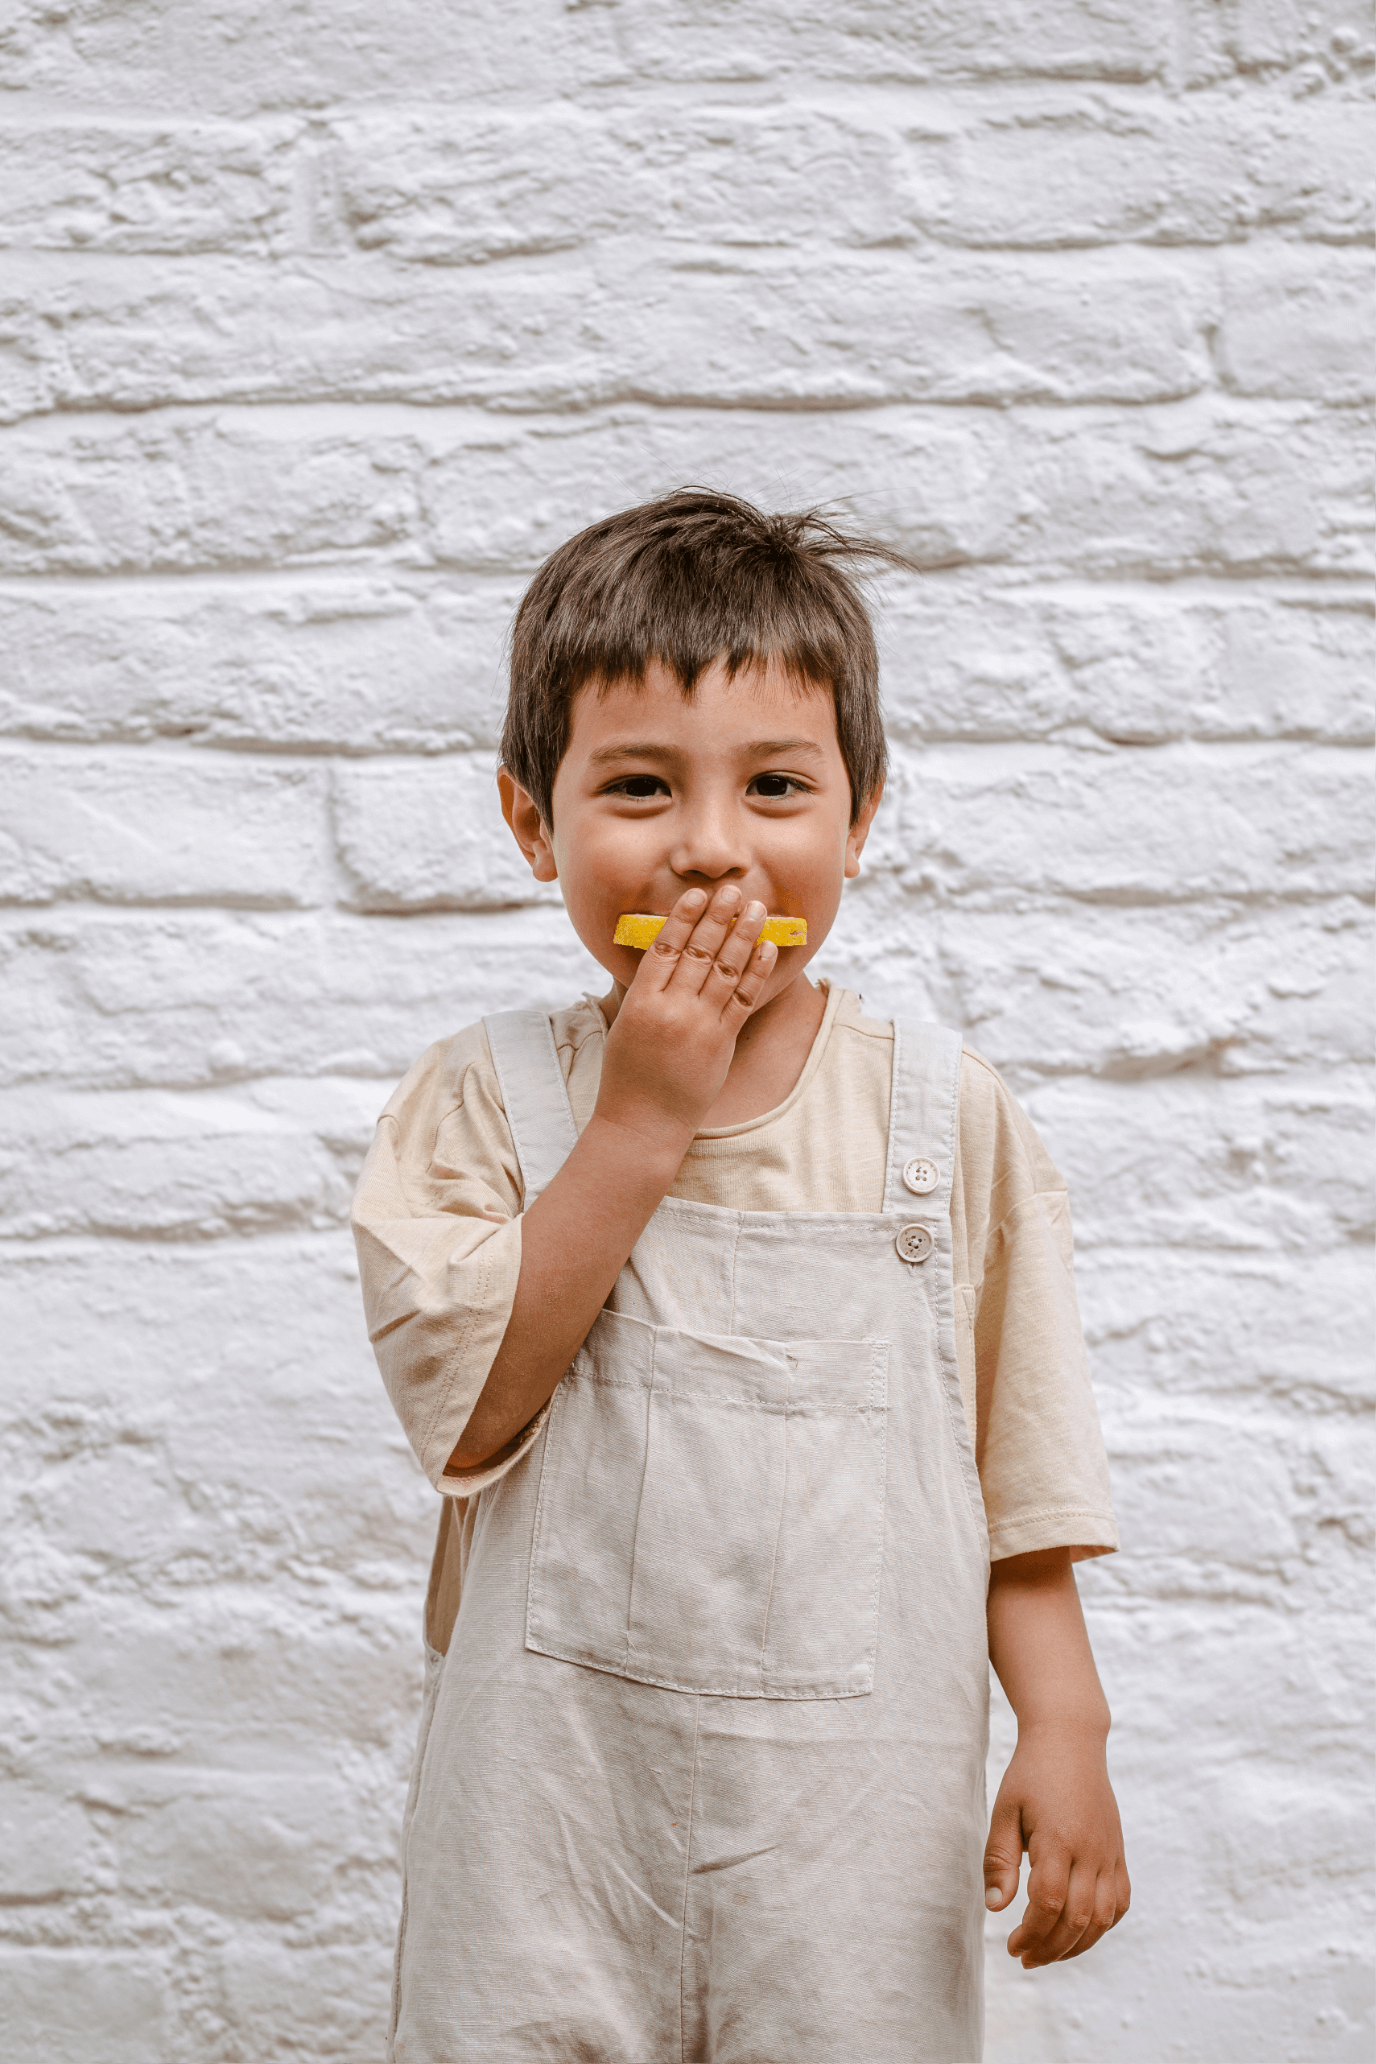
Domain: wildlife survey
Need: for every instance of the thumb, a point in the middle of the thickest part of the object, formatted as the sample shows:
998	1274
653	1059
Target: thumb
1002	1854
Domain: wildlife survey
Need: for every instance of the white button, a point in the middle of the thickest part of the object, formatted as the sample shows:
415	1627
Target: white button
914	1243
921	1175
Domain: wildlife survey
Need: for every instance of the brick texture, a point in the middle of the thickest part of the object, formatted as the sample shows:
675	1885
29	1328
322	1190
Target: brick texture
319	327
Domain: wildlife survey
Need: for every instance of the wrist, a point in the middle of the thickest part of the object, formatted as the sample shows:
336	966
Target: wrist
646	1147
1078	1722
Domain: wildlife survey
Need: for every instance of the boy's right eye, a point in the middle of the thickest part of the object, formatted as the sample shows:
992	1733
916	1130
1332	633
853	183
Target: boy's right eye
640	786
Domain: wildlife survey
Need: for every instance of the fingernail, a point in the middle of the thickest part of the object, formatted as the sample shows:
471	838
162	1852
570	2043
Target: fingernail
695	898
752	911
993	1897
729	896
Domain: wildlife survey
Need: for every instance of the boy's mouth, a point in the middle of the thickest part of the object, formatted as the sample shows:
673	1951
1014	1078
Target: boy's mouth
641	928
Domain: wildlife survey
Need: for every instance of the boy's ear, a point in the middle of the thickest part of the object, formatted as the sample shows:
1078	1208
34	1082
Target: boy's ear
860	831
528	827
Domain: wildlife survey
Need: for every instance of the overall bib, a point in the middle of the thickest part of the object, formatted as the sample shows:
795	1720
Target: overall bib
701	1775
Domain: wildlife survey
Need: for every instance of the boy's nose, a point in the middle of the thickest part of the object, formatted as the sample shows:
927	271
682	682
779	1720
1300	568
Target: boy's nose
706	851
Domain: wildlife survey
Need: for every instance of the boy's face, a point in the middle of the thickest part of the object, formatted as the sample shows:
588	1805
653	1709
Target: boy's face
656	794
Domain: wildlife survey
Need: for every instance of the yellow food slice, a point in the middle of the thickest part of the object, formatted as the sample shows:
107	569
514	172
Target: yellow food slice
636	929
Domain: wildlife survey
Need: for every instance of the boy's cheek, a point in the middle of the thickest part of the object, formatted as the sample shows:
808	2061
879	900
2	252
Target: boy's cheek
593	909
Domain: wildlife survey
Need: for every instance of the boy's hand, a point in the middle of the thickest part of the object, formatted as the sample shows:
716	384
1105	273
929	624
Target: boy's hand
1055	1800
671	1042
1057	1803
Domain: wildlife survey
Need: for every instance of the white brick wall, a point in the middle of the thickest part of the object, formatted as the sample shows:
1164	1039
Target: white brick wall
319	326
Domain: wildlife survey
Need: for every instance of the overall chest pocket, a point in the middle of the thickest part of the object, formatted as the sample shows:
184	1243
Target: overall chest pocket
711	1512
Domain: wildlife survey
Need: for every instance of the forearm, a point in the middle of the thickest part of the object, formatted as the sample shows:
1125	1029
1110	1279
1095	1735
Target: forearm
1039	1646
574	1242
1055	1800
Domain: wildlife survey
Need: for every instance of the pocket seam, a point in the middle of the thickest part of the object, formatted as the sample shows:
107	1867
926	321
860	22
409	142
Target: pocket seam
649	1390
879	1352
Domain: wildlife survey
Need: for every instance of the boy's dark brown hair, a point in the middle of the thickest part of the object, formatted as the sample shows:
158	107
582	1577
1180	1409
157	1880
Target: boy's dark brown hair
688	579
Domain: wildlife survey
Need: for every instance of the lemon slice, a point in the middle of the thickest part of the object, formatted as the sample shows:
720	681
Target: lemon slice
637	929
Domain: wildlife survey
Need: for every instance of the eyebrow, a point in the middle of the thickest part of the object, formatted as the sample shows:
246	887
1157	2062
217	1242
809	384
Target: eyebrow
756	749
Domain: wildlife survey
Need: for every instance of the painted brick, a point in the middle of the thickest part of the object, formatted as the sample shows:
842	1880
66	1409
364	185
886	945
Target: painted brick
772	327
1007	821
1295	323
192	494
1179	1164
146	1164
1266	1530
428	835
1335	32
214	1446
182	998
126	829
964	659
241	1849
452	191
305	1999
699	41
1089	172
1235	1328
224	1680
1310	50
1106	989
449	192
359	664
55	2002
242	56
1194	490
1189	488
141	187
1195	486
47	1847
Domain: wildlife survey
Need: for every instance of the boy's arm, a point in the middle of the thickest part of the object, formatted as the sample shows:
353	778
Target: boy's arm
666	1059
1055	1800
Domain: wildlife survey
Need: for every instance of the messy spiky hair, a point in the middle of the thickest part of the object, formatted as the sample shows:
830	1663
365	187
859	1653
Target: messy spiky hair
694	577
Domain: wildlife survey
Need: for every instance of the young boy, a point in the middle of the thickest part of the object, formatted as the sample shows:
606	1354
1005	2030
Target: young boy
733	1327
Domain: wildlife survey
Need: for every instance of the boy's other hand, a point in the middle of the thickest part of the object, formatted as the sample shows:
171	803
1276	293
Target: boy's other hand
1057	1803
1055	1800
670	1045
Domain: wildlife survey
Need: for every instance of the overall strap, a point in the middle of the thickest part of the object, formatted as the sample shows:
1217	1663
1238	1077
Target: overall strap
534	1095
922	1118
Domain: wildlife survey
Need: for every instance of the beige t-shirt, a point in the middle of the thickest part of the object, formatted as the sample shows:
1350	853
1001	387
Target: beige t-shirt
437	1221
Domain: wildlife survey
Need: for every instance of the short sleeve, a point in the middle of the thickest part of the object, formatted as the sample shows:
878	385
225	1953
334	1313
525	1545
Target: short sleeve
436	1221
1042	1466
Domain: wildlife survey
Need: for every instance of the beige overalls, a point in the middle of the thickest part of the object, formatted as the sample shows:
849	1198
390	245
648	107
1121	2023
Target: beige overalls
701	1775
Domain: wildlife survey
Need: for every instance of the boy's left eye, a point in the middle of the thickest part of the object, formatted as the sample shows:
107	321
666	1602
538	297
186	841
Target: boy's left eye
774	787
641	786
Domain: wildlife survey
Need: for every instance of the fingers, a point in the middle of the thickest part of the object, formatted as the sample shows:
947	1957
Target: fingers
1002	1855
1068	1909
750	983
709	939
663	955
1048	1882
1105	1916
705	946
734	955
